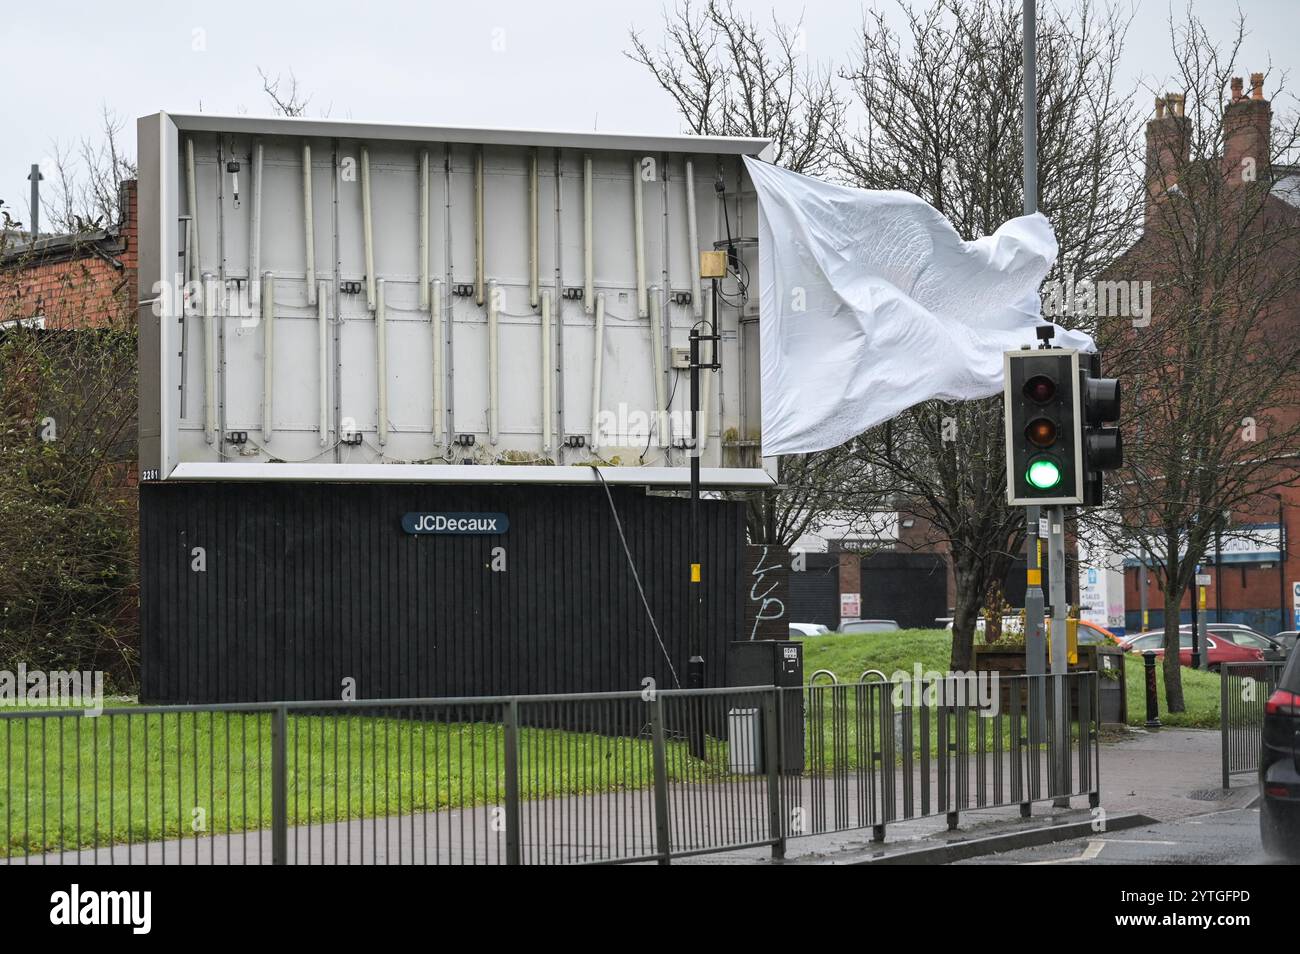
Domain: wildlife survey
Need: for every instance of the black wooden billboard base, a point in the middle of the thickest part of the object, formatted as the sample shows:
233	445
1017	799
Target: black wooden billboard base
282	591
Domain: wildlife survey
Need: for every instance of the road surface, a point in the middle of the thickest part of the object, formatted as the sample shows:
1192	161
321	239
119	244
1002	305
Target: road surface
1229	837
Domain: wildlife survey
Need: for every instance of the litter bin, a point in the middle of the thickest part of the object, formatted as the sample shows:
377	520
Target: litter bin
1112	692
774	662
745	741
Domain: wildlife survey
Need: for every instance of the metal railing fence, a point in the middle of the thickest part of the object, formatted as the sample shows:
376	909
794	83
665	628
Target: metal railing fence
580	778
1243	689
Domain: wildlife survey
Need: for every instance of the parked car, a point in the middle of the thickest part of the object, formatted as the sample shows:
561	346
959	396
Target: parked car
1128	639
1010	624
1090	634
1271	647
1245	636
808	629
1286	639
1220	650
868	626
1279	767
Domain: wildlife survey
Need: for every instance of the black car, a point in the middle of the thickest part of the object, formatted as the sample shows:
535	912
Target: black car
1279	766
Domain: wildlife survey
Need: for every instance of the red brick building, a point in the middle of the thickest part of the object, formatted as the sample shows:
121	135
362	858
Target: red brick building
1253	579
80	282
72	281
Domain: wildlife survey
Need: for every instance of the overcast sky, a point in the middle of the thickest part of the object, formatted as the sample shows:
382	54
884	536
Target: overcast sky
510	63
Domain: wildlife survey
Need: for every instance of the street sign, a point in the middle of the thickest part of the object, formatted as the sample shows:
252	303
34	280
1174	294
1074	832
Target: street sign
1203	579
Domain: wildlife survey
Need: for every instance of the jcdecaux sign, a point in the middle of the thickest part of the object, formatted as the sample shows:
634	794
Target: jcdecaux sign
456	523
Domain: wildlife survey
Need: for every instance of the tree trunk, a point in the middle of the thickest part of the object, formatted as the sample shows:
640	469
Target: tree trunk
1173	670
965	613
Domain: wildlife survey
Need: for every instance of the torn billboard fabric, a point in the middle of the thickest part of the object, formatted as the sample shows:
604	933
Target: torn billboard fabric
871	303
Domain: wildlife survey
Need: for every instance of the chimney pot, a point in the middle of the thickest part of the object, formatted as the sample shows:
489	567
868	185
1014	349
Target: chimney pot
1160	107
1236	89
1256	85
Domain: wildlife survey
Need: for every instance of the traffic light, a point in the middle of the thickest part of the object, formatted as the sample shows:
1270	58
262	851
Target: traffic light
1103	448
1044	426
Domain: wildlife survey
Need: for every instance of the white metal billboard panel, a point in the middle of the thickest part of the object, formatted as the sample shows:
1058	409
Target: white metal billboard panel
341	369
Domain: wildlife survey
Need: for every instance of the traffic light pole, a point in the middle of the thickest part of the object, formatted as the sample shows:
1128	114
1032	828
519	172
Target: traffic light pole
695	665
1035	650
1060	660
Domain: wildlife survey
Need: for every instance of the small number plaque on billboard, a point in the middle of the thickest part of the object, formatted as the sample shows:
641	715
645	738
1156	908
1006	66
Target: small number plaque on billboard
456	523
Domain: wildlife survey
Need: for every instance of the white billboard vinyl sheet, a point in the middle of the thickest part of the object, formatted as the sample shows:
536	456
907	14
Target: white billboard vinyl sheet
343	297
872	303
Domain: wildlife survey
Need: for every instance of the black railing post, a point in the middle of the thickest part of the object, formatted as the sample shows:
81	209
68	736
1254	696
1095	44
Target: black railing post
1224	723
884	721
513	814
772	758
1094	741
663	845
279	788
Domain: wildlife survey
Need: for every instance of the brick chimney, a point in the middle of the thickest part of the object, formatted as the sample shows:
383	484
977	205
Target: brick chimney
1168	149
1247	122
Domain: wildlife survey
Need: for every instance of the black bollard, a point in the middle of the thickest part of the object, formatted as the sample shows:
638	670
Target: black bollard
1153	701
695	680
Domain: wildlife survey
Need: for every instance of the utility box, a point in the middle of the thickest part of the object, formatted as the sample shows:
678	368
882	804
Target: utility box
779	663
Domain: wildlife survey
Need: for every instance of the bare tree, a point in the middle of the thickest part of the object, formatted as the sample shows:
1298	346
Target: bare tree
729	76
87	180
1213	370
286	98
942	109
811	488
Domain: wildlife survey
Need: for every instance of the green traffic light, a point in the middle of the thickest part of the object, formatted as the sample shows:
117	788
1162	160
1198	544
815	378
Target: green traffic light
1043	474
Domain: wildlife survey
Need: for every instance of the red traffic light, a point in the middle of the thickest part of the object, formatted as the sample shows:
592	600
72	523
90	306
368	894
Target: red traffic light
1040	389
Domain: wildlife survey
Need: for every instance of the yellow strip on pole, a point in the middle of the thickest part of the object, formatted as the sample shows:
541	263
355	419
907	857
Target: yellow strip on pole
695	573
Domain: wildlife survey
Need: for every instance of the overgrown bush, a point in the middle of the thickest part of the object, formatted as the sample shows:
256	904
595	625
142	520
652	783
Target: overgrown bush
68	551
